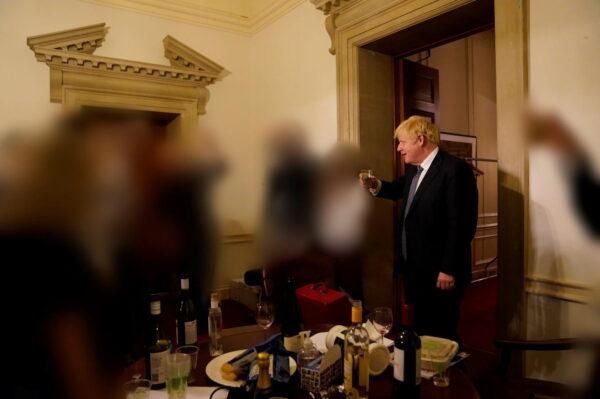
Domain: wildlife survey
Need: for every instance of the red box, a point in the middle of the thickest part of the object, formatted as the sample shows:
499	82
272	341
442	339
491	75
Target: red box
322	305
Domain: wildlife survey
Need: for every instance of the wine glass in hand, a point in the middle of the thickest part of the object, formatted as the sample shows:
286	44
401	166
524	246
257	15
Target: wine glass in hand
265	314
382	320
367	179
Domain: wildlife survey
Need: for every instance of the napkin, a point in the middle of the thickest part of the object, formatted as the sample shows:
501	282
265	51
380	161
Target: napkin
274	346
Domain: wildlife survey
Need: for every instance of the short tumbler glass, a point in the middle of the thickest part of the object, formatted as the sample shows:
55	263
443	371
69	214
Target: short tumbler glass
178	369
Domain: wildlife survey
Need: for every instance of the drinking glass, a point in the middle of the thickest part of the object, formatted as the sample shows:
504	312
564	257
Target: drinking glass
441	379
366	174
137	388
178	369
382	319
192	351
265	314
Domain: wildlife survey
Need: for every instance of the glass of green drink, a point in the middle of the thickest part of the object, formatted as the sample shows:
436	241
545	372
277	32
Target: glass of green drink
178	369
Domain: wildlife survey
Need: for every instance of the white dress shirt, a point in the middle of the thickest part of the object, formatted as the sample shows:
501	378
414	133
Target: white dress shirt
426	164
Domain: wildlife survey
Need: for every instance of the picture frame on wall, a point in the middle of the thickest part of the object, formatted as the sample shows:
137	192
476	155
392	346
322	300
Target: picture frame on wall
460	145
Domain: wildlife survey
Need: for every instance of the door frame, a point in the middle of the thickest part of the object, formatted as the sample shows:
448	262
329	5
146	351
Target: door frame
352	24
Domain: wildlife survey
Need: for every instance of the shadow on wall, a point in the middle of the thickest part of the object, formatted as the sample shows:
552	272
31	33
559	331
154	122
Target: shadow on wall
511	251
543	318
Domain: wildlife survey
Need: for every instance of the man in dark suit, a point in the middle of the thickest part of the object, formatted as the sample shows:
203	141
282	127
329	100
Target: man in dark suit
437	221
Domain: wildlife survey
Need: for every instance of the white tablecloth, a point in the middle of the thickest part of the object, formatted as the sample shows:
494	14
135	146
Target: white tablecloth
193	393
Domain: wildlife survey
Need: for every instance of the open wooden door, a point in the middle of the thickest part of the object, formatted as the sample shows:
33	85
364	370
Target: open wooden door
417	93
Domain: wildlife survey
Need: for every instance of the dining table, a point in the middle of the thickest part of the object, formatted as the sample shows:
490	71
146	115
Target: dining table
380	386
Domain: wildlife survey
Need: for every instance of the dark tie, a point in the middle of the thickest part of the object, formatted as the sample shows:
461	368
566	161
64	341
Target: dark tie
409	200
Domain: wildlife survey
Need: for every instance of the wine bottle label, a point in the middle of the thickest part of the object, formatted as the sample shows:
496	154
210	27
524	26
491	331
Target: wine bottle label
418	368
403	367
399	364
292	344
158	364
191	332
363	370
348	366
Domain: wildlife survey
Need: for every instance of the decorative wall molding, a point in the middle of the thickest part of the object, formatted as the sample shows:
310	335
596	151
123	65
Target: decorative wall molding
241	17
182	56
73	69
329	6
558	289
85	39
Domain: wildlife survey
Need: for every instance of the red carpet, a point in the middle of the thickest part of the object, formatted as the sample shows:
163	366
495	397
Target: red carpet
477	326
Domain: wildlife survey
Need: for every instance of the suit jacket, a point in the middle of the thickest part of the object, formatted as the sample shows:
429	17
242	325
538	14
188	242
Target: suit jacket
440	223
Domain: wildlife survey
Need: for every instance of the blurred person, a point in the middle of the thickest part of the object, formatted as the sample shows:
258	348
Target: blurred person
547	129
63	205
174	230
288	213
341	208
289	216
437	218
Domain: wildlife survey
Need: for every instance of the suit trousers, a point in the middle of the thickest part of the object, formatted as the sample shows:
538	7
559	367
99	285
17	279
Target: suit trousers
437	312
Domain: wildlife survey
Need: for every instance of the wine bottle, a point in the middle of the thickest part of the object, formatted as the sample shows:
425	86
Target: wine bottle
356	356
292	319
187	330
215	325
407	358
159	347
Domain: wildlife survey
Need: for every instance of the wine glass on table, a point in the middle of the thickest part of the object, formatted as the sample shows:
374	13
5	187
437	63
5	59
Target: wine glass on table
265	313
382	319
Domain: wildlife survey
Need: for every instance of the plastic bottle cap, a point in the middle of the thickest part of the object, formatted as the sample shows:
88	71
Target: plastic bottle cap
214	300
356	311
155	307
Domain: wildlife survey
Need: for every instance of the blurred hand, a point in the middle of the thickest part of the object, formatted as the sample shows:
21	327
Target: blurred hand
445	281
368	182
549	130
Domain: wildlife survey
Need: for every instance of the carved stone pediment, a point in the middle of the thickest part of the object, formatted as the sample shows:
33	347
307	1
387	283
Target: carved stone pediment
83	40
73	69
183	56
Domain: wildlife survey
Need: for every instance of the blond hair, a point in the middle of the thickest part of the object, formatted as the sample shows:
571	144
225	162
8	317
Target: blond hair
416	126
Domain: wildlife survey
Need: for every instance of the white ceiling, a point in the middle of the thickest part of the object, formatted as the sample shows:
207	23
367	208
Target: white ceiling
240	16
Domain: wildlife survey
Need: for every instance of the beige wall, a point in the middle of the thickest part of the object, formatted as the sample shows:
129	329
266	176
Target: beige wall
563	67
467	78
283	71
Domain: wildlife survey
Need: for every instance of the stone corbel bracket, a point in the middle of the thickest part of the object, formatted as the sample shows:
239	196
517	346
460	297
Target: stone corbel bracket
331	9
73	67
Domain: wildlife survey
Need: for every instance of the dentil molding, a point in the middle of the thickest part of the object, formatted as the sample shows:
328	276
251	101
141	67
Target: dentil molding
73	68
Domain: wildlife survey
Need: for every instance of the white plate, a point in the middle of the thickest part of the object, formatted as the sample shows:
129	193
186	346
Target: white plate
213	369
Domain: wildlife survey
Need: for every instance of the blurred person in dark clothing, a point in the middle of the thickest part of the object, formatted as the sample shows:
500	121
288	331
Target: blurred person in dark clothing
288	213
288	219
91	217
549	130
174	229
58	219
